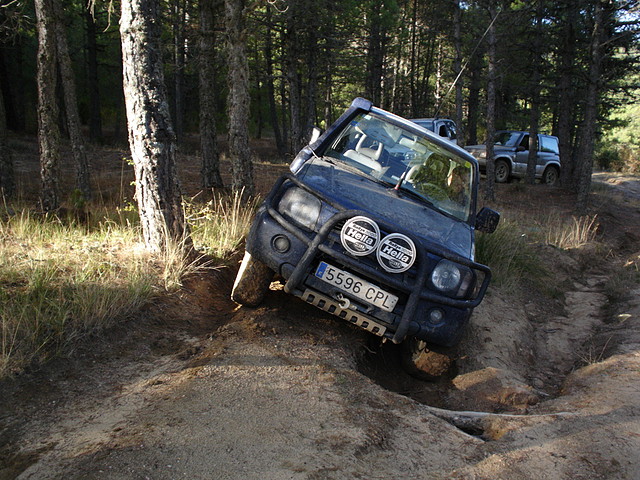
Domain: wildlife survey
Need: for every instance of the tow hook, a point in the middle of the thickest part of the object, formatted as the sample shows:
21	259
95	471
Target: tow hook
343	301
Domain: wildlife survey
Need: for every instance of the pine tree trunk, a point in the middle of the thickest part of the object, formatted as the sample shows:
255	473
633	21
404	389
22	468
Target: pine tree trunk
489	185
7	179
210	169
532	157
48	131
293	55
312	83
584	168
268	55
71	105
179	10
414	65
238	99
566	95
95	114
534	113
375	54
457	70
475	66
151	135
328	32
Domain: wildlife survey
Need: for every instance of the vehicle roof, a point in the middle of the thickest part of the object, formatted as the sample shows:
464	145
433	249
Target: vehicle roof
410	124
521	131
431	119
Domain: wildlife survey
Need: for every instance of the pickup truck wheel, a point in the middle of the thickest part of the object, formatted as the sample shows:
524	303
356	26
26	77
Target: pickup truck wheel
550	176
419	361
252	282
503	172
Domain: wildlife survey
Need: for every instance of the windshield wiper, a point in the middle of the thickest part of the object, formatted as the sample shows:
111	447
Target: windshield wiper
401	179
406	191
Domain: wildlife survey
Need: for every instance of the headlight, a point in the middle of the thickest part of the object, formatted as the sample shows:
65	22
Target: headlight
301	207
451	278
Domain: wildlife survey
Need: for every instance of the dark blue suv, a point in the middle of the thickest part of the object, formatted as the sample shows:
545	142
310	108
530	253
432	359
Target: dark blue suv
375	224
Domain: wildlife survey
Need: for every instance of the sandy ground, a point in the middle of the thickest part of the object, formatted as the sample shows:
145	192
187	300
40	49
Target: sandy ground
544	388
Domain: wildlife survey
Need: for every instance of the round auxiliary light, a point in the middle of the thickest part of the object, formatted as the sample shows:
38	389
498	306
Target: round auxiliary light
360	236
396	253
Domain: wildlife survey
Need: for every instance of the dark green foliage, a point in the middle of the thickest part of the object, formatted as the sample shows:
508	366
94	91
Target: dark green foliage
309	58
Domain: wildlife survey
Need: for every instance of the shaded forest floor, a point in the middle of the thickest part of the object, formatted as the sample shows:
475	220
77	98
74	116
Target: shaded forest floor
545	386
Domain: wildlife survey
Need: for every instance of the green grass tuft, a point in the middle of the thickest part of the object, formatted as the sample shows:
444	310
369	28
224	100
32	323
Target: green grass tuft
510	256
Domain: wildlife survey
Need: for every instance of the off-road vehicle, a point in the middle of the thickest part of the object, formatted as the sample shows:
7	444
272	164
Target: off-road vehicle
375	224
444	127
511	155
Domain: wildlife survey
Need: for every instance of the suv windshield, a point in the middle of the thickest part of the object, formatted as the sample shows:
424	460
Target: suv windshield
402	158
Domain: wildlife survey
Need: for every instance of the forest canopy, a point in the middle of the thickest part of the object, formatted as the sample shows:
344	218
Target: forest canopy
307	59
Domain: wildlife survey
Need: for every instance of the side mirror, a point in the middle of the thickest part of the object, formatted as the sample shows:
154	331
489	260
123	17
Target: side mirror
487	220
520	149
315	135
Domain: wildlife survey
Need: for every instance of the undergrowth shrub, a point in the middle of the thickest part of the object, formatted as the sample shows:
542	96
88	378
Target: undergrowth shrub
618	157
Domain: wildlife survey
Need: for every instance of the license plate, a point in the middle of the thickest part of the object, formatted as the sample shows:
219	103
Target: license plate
356	286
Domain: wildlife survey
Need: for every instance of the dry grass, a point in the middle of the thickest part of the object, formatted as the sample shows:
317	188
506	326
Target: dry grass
220	226
512	250
571	233
62	279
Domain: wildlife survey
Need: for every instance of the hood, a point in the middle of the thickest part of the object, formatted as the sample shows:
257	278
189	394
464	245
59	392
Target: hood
355	191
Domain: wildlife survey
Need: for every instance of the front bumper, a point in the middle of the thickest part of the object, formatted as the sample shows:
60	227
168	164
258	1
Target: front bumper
297	266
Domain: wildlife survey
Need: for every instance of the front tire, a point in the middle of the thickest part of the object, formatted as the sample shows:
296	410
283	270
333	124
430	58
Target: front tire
550	176
503	171
252	282
421	362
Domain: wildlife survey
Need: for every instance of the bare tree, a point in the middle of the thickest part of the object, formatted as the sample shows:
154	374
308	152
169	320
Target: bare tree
210	169
151	135
238	100
48	131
